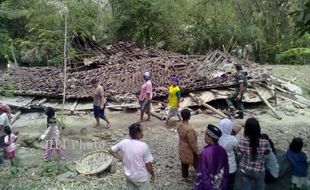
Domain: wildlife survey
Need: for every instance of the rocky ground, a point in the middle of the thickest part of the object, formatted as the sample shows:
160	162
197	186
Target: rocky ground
33	173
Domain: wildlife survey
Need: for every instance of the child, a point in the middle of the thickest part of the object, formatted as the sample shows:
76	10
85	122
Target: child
51	136
298	162
9	141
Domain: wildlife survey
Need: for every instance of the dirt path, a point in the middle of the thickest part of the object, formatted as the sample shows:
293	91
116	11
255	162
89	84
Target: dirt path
162	141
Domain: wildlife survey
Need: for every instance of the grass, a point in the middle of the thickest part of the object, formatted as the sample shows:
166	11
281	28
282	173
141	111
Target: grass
52	169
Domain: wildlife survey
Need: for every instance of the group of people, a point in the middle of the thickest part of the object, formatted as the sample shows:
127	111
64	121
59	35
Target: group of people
8	137
252	157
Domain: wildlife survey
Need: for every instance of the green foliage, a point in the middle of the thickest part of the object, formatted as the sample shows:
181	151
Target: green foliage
52	169
295	56
15	172
299	53
9	92
302	17
36	27
38	33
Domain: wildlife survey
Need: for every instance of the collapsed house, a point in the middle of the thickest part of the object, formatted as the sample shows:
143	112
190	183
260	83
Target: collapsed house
119	68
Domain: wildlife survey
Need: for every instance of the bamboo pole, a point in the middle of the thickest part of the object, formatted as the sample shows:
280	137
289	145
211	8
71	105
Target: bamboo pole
65	71
199	101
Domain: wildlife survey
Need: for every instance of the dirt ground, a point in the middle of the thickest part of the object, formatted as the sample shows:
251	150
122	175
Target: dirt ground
33	173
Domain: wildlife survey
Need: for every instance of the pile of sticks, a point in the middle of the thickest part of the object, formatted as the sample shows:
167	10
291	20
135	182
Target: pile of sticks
120	68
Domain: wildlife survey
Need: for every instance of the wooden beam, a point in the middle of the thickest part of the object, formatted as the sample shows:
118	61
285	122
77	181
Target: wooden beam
158	116
267	103
293	101
41	102
200	102
16	116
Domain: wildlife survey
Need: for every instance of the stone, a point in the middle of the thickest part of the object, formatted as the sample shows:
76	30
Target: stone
66	175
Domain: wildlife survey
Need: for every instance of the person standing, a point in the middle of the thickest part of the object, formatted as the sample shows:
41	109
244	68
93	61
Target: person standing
230	144
99	103
252	149
5	120
146	95
213	166
188	148
51	136
137	159
174	96
9	141
271	163
241	82
299	166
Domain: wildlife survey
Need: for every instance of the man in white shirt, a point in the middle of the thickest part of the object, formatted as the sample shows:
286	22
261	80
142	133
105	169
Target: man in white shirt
137	159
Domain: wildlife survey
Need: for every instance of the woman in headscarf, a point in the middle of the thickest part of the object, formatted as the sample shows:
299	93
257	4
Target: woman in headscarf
229	143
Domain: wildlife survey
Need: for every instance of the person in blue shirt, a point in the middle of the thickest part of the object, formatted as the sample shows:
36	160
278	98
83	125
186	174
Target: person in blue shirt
298	162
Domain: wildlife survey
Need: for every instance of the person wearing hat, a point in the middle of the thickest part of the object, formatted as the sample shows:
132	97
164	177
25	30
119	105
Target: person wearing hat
146	95
174	96
213	166
237	96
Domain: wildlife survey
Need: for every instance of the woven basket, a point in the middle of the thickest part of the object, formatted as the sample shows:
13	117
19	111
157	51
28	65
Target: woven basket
94	162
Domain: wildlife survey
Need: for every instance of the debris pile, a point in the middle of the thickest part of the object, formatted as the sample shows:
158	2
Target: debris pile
120	72
119	68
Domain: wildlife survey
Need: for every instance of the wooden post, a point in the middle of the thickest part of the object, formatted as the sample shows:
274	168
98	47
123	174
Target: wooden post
267	103
199	101
65	71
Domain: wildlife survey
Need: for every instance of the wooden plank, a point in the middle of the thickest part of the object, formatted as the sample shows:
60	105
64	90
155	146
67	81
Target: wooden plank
124	106
267	103
199	101
17	102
